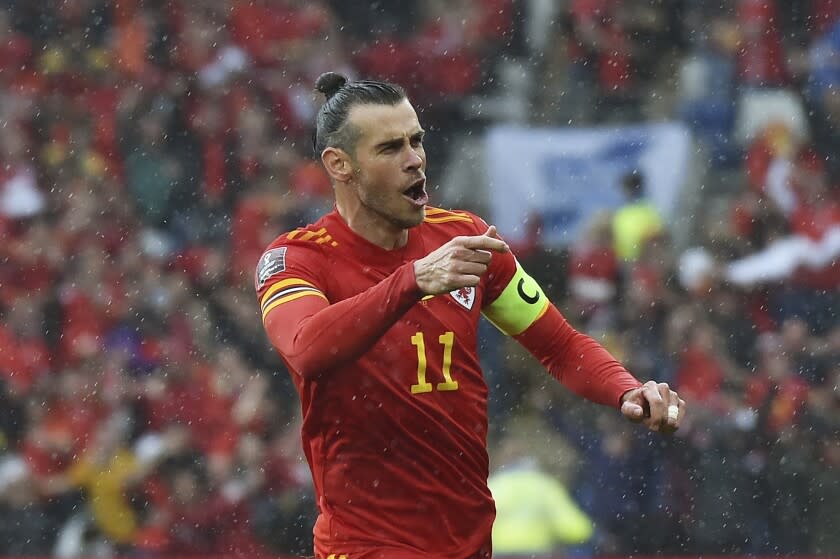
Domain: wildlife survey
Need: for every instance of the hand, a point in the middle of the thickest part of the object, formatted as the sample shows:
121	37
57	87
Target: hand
459	263
649	404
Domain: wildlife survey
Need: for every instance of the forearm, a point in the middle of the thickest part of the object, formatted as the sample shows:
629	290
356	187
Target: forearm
314	336
576	360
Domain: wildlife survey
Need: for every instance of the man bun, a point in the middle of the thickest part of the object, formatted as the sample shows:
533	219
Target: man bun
343	95
329	83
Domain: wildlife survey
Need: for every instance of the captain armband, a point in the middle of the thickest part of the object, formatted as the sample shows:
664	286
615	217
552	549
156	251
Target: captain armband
521	304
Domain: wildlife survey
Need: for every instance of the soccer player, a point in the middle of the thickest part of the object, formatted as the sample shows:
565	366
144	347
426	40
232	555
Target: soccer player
375	308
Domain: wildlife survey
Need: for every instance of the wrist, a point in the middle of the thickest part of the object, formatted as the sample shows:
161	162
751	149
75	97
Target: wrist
413	272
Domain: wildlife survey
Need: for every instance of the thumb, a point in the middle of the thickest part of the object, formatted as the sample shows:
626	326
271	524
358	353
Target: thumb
631	411
491	232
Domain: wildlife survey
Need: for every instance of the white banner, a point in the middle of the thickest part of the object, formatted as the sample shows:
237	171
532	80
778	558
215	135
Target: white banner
562	176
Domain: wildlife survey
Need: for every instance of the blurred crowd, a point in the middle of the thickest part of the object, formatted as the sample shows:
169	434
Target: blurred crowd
150	150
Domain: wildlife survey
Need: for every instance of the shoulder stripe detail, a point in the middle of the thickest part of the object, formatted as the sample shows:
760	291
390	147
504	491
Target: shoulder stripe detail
289	298
448	218
325	239
438	211
281	285
311	234
302	234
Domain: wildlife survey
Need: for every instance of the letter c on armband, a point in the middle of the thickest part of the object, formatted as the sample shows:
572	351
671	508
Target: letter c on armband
530	299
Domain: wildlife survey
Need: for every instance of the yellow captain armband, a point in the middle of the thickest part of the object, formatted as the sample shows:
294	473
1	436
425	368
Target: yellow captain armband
521	303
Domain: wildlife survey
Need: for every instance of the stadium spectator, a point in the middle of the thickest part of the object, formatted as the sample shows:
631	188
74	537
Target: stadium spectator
535	515
636	221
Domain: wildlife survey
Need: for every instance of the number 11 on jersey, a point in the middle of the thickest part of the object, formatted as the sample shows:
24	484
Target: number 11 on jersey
422	386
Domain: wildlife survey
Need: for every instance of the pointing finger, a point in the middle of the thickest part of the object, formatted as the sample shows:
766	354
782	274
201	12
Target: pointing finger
485	242
480	256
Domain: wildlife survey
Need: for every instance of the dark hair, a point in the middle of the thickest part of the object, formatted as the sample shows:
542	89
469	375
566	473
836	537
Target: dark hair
331	127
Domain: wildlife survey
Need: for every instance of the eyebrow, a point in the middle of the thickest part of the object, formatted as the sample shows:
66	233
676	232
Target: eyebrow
396	142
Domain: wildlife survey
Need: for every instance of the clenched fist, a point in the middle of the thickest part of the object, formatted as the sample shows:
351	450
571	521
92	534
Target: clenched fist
654	404
459	263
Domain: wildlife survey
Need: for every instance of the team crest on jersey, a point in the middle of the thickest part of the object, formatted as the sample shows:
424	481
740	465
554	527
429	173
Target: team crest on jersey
272	262
465	296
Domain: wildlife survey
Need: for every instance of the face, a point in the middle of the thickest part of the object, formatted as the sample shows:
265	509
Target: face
390	163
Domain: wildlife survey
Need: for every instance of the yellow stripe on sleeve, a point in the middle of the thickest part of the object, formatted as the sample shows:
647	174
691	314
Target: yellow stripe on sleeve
521	303
290	298
282	285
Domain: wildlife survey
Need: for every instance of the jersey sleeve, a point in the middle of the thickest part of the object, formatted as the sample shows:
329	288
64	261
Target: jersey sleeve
297	312
516	304
288	272
513	300
579	362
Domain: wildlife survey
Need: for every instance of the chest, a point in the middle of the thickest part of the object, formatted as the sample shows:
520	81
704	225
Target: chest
348	278
457	312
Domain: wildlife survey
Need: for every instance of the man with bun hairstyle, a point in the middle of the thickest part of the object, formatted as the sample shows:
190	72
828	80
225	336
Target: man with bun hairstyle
375	309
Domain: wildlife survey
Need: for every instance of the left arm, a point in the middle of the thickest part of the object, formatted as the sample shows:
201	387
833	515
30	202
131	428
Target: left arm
576	360
523	311
519	308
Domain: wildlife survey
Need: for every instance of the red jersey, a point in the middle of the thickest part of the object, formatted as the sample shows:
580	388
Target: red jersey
393	398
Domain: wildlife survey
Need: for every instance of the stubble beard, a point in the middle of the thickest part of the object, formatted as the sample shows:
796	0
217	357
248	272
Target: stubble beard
378	204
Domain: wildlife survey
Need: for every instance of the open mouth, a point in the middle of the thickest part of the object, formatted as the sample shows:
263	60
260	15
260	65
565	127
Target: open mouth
416	193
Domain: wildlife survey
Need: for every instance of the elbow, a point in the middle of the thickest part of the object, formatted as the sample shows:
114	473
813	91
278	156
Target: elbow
306	365
299	349
306	370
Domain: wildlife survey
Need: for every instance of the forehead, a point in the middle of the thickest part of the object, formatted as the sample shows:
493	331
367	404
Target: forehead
383	122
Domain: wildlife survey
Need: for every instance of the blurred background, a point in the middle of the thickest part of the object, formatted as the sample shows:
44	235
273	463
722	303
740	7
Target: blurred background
667	170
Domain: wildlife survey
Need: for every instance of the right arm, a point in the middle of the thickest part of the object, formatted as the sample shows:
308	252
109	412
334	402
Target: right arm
314	336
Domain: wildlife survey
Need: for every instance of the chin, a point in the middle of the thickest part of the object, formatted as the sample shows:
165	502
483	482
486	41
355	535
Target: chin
409	221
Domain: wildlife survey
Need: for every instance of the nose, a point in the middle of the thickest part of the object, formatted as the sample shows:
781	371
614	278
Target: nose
413	161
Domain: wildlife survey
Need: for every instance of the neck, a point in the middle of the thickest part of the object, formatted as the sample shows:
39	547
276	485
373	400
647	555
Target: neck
368	224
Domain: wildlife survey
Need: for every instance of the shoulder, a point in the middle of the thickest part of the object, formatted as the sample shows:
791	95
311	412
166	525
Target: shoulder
454	222
312	238
299	250
317	234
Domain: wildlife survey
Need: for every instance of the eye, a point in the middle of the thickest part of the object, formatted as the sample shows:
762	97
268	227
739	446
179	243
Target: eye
417	141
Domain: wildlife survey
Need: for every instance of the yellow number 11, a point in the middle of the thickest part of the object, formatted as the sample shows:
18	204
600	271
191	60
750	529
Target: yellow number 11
448	340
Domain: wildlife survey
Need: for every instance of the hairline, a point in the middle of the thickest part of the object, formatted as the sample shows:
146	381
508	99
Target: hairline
346	138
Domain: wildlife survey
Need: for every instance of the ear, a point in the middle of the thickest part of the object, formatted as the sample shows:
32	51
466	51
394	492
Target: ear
338	164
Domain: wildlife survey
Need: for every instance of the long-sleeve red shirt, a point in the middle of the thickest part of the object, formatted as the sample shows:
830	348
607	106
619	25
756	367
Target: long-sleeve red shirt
393	397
